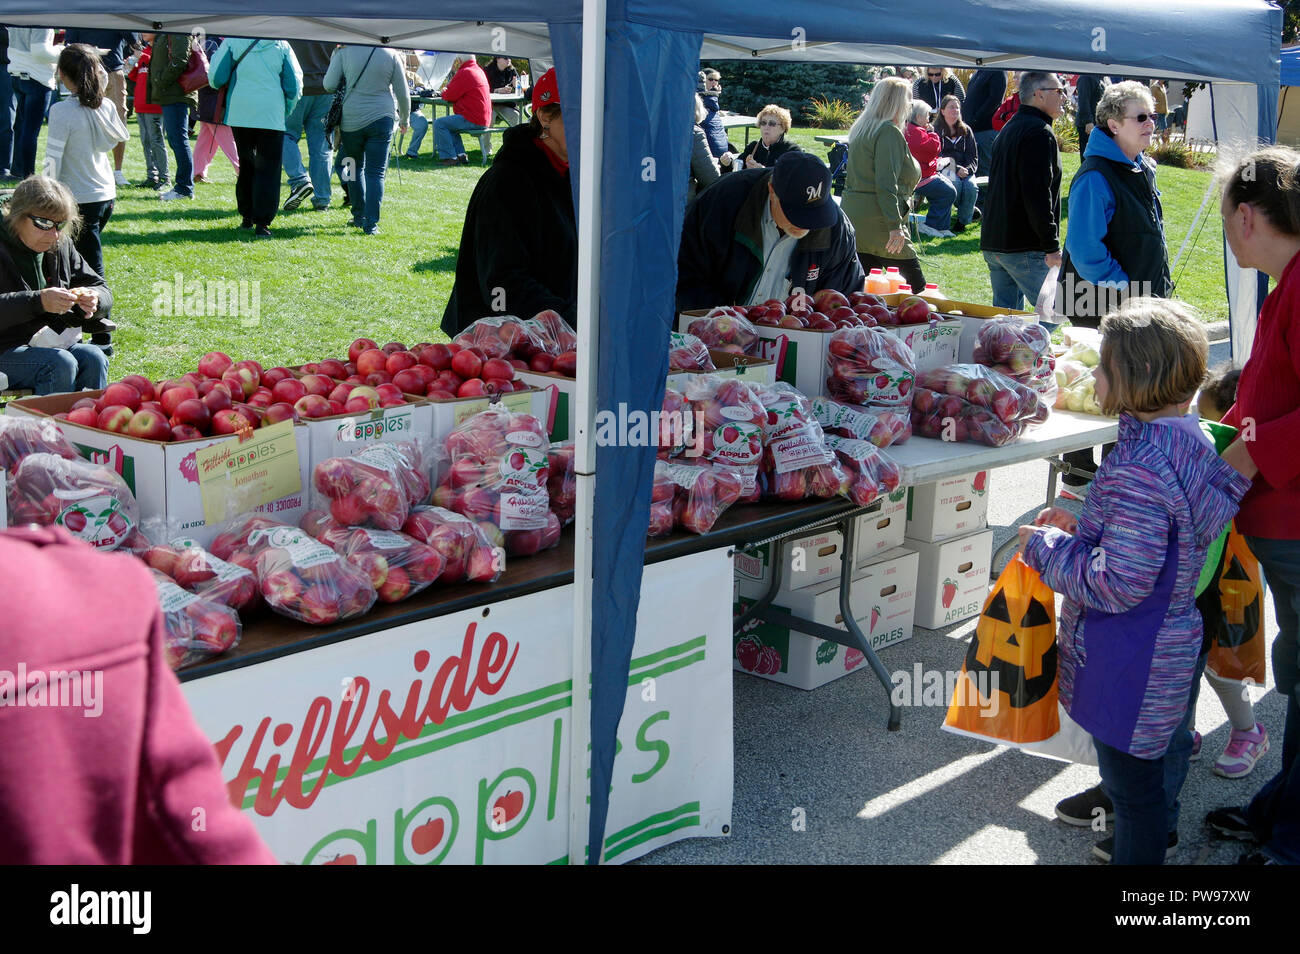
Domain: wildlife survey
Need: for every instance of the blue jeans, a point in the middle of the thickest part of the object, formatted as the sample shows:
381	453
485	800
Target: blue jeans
1178	757
32	99
1136	787
419	126
309	117
446	135
6	121
967	194
941	195
1015	277
176	126
1274	813
367	147
53	370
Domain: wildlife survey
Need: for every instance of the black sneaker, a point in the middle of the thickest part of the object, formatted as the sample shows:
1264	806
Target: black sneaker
262	232
1106	847
246	225
297	196
1080	810
1230	823
957	227
976	215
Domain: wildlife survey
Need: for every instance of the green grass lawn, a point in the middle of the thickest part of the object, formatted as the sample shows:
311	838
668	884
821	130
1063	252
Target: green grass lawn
321	283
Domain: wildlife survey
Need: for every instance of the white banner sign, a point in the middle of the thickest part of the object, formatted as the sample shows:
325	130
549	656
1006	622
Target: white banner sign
447	741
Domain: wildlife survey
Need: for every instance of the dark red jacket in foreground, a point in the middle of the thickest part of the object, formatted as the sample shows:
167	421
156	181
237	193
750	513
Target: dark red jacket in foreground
1268	393
137	784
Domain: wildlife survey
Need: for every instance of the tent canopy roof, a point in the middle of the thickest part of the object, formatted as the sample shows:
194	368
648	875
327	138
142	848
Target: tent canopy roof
1191	39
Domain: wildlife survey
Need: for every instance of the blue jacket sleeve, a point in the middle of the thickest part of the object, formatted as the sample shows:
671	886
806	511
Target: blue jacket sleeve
1121	570
1092	206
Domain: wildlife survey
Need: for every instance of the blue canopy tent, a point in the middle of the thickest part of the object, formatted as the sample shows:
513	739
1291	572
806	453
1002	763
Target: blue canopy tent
1288	104
630	154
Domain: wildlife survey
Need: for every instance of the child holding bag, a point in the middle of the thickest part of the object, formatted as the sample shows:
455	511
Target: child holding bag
1129	637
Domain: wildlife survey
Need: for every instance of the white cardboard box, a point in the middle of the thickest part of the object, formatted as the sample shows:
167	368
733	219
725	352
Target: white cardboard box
809	560
561	401
446	416
798	355
948	508
933	346
750	370
884	593
952	578
164	476
881	532
973	317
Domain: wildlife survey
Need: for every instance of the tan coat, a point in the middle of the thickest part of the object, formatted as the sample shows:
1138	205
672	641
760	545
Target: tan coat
881	177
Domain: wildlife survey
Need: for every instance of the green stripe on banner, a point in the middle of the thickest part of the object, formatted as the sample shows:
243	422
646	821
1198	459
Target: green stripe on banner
697	643
688	822
667	667
417	750
559	861
655	819
449	724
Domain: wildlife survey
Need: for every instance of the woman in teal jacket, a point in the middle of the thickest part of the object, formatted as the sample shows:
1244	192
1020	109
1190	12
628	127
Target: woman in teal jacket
263	83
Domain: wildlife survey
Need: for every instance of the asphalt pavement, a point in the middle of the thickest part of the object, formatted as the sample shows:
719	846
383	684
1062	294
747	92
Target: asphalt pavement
818	779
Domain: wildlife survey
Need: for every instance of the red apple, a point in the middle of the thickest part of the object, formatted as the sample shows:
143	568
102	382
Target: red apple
312	405
149	426
358	346
566	364
437	394
334	368
261	398
241	380
500	369
471	388
288	391
121	393
218	399
366	393
115	418
436	356
141	384
85	416
272	376
467	364
376	378
340	393
280	412
400	361
336	407
229	422
393	347
250	365
407	381
541	362
321	384
214	364
390	393
194	413
396	587
185	432
368	362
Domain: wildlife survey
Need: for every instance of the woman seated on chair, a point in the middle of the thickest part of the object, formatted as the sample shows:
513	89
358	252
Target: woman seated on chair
957	145
923	143
44	282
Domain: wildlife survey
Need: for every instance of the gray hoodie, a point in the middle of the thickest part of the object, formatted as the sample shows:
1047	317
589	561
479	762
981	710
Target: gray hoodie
76	148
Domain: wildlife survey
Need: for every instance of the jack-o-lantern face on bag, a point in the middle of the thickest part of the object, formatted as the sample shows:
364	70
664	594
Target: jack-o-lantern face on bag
1240	597
1016	638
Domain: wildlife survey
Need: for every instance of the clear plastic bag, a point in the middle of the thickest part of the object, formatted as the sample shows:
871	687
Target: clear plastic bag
869	367
467	552
20	436
688	353
732	418
399	566
304	579
701	493
1011	401
950	418
726	329
375	487
555	335
502	336
196	628
871	472
796	462
561	483
881	426
90	501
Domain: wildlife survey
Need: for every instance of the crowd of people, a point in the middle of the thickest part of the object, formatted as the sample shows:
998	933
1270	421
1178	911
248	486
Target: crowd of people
762	222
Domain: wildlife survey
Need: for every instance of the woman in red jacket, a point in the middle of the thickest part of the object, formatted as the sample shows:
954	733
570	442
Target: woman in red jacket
924	144
1261	222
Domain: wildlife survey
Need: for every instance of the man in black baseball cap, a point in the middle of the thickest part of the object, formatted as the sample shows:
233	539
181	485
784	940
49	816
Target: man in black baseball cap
765	233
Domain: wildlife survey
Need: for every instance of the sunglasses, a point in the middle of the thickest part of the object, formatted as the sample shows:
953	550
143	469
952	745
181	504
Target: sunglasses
934	75
769	122
46	225
1142	118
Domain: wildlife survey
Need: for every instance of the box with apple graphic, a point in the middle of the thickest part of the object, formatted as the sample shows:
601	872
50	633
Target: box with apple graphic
952	578
164	475
948	508
883	592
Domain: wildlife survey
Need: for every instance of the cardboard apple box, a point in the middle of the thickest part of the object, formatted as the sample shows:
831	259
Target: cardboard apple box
797	354
730	366
890	595
948	508
972	318
810	560
342	435
952	578
163	475
933	345
877	533
561	393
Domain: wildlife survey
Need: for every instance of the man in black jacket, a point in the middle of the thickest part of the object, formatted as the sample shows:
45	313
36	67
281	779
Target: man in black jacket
1020	238
1088	90
763	233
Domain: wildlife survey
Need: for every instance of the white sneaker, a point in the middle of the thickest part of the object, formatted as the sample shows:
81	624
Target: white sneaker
120	177
935	233
171	194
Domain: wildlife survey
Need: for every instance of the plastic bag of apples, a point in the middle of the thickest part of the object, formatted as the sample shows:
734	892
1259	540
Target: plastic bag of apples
501	336
561	483
868	366
676	424
690	495
727	329
20	436
196	628
399	566
796	462
498	477
882	426
871	472
732	418
556	335
299	576
204	574
375	487
466	551
88	500
688	353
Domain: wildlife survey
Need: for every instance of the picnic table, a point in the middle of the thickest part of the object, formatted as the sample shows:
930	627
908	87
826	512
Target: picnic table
521	101
830	141
732	120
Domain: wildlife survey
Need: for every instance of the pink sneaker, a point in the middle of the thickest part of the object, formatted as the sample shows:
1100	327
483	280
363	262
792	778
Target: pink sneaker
1243	751
1196	747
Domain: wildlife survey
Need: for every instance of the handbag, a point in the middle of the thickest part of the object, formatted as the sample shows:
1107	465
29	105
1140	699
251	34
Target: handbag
334	118
195	76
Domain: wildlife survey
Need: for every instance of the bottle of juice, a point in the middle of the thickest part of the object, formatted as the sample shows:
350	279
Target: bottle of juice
877	283
931	291
895	279
905	289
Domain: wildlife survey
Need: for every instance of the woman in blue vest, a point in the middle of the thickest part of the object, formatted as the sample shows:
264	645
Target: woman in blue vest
1115	245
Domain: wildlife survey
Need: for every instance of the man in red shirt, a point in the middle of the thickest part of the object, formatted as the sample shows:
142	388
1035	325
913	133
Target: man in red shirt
471	106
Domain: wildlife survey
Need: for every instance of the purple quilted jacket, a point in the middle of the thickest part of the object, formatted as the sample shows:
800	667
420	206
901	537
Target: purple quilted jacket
1129	631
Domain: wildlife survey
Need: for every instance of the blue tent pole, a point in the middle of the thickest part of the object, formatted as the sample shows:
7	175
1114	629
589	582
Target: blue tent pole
590	158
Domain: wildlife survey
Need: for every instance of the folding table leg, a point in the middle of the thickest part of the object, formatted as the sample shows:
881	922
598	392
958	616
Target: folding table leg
848	530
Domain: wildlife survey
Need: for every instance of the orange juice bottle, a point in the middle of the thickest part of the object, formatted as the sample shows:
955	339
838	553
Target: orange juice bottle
931	291
877	283
894	278
905	289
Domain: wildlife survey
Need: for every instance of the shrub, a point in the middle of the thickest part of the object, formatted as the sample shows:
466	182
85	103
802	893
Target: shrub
830	113
1067	137
1177	153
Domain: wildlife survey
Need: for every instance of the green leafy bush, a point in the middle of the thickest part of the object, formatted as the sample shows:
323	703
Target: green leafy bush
1177	153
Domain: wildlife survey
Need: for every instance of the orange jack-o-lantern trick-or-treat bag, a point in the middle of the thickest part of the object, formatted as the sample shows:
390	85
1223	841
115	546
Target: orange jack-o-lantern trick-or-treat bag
1007	689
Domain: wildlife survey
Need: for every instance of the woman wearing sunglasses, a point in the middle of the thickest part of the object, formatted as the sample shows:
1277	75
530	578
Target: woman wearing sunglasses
1115	246
44	281
771	144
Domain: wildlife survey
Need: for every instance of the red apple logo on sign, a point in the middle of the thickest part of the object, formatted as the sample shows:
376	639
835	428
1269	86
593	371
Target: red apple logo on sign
507	808
427	836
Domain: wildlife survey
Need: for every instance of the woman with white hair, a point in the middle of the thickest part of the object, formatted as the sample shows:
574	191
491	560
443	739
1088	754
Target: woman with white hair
924	144
879	182
704	168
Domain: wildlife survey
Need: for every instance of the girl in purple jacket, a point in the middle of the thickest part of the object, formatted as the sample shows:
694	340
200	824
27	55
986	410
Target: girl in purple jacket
1129	632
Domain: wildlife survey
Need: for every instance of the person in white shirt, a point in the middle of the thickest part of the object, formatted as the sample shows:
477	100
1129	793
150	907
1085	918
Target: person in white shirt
32	57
